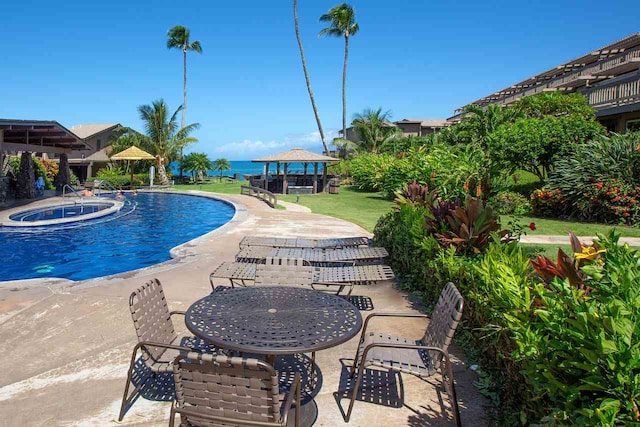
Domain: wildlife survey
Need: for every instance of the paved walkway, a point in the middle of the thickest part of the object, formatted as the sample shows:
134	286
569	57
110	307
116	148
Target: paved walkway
66	345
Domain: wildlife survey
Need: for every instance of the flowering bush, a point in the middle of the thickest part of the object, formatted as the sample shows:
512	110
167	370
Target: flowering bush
550	203
510	203
612	202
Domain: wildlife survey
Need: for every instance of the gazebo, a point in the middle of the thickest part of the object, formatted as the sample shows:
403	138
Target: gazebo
282	182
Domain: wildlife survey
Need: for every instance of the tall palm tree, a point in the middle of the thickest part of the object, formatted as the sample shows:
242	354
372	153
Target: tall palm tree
163	137
178	38
306	76
374	129
343	24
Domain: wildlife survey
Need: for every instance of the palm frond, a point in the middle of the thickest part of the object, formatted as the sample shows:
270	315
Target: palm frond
195	46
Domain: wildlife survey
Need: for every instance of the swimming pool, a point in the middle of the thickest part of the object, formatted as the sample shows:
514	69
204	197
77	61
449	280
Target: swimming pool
106	246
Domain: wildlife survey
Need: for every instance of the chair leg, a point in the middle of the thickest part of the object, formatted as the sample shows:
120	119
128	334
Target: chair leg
452	392
298	404
172	416
313	368
126	400
354	391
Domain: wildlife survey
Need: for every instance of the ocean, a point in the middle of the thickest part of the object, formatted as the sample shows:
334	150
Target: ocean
246	167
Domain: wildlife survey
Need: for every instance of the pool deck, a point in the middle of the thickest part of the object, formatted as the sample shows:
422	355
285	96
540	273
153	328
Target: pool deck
67	345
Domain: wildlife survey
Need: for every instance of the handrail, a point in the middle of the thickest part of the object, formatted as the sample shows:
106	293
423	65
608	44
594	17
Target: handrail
64	188
266	196
99	183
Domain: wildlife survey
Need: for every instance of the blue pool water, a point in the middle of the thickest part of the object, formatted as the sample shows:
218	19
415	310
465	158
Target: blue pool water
66	211
113	244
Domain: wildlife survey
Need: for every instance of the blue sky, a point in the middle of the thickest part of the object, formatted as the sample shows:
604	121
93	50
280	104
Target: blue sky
95	62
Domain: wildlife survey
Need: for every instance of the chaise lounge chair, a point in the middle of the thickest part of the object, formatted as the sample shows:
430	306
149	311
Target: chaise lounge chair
423	358
242	274
302	242
231	391
318	257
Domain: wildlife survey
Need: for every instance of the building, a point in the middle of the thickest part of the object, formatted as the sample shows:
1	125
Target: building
421	127
97	137
408	127
609	77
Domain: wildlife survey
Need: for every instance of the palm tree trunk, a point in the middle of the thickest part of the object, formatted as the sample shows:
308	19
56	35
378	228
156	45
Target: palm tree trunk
184	102
344	86
306	76
162	173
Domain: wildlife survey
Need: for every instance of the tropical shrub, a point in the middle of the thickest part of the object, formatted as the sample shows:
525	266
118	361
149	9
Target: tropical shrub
119	181
365	170
38	168
51	168
510	203
549	203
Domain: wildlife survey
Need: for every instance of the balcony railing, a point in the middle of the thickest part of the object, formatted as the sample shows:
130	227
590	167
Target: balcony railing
615	95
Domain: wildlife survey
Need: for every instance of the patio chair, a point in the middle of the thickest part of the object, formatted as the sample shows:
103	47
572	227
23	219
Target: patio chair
303	242
230	391
422	358
157	339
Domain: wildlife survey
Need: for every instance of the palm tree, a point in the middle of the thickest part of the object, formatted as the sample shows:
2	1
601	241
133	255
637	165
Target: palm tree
178	38
306	76
163	137
374	129
480	122
196	163
343	24
221	165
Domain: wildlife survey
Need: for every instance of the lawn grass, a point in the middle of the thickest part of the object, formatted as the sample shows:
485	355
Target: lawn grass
352	205
550	251
224	187
556	227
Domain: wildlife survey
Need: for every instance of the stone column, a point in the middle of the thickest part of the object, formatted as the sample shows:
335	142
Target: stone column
26	186
63	177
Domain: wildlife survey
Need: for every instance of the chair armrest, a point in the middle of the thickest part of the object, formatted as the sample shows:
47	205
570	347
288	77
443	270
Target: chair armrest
372	315
444	354
143	344
293	391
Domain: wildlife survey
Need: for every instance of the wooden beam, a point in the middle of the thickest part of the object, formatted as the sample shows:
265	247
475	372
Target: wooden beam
266	176
10	146
324	176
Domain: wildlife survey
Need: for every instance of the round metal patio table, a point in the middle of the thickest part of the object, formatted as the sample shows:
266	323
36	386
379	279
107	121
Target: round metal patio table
273	320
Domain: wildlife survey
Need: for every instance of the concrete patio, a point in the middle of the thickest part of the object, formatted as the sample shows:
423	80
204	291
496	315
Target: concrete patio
66	345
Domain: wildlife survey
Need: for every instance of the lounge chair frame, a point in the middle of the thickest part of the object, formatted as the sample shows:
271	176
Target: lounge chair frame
303	242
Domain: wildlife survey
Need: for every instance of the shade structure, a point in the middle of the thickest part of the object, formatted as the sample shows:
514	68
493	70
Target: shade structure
297	155
132	153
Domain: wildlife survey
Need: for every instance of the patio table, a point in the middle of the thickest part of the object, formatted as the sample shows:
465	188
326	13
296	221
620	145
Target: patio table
274	321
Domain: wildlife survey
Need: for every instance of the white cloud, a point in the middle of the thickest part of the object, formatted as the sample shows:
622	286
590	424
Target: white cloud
248	149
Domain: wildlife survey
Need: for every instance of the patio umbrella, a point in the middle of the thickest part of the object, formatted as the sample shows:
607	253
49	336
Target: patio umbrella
132	153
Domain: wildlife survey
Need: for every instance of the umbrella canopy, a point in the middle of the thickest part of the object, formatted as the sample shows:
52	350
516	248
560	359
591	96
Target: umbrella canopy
132	153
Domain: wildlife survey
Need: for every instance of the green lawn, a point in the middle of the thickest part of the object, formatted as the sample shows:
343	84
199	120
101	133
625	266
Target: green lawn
352	205
555	227
214	186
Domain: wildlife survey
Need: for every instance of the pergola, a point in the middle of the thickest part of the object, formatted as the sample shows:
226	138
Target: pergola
38	136
296	155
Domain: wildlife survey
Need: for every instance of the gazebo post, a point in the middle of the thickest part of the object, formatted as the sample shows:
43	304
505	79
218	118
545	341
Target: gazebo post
266	176
285	183
304	178
277	173
131	168
315	177
324	176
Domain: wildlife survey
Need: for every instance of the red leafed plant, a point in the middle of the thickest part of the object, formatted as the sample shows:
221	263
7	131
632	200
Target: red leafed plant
567	267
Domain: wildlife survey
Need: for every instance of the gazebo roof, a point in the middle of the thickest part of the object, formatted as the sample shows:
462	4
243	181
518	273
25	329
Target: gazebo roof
296	155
